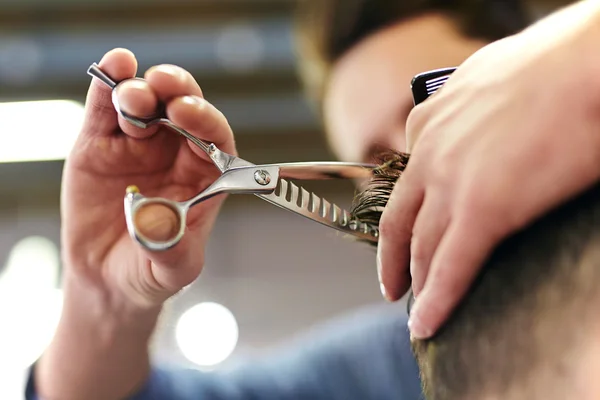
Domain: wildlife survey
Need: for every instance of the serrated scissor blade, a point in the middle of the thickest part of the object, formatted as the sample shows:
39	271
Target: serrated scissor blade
295	198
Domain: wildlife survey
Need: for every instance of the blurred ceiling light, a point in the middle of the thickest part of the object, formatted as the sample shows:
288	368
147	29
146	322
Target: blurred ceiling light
33	264
240	48
20	60
30	303
207	334
39	130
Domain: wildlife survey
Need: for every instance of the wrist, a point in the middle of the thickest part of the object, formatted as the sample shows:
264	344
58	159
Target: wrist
592	54
108	314
575	59
100	348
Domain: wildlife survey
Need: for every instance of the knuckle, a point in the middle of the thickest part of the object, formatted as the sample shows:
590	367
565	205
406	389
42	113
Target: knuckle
391	229
416	118
478	199
415	125
418	249
444	173
214	119
385	227
484	214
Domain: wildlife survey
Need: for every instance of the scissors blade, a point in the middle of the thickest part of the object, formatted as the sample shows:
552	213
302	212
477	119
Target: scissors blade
298	200
320	170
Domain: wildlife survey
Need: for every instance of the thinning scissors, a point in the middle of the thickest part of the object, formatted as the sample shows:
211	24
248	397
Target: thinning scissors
239	176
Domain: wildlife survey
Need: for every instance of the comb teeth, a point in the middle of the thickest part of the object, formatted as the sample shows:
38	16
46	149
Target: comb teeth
300	201
427	83
433	85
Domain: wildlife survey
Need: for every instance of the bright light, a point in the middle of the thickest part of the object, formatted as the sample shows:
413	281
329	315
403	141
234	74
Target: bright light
28	325
207	334
33	265
30	303
39	130
240	48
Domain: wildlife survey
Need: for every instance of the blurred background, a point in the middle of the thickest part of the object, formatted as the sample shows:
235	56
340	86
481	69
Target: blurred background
269	274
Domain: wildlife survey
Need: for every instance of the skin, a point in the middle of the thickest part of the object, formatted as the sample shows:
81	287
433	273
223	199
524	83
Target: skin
114	290
361	114
424	226
443	222
368	97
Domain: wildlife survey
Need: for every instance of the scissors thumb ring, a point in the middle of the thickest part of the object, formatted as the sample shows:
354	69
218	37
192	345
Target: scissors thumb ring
156	222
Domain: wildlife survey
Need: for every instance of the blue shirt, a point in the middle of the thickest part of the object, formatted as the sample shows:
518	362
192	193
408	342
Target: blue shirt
364	356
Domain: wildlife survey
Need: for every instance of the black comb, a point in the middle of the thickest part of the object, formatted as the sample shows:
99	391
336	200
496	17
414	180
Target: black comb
427	83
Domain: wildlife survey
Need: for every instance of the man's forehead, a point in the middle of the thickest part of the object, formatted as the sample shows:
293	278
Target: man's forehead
368	85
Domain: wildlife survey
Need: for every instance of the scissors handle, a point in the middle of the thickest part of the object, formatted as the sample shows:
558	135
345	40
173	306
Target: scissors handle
222	160
264	181
245	180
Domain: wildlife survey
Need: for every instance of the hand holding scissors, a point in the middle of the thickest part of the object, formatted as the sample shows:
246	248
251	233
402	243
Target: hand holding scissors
239	176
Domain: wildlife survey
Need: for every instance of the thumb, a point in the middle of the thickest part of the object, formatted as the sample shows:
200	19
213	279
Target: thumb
173	269
100	115
157	222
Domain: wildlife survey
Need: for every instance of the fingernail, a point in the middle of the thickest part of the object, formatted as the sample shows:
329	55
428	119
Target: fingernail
384	292
381	285
379	264
193	100
167	69
135	97
417	329
413	267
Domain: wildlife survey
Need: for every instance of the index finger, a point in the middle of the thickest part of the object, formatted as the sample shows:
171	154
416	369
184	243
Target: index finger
203	120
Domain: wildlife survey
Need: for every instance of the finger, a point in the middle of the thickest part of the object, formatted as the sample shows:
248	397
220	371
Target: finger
100	114
139	97
136	98
415	124
453	269
203	120
396	225
171	270
169	81
429	228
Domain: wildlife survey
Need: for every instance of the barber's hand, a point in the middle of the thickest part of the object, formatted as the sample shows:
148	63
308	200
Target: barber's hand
113	288
514	132
111	154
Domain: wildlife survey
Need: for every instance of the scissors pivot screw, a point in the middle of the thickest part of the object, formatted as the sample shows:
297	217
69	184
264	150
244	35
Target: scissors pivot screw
262	177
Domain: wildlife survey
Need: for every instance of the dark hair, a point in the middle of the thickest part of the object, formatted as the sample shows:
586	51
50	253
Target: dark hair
326	29
531	306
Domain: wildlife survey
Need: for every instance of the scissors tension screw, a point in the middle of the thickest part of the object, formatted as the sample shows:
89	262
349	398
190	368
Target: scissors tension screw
132	189
262	177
